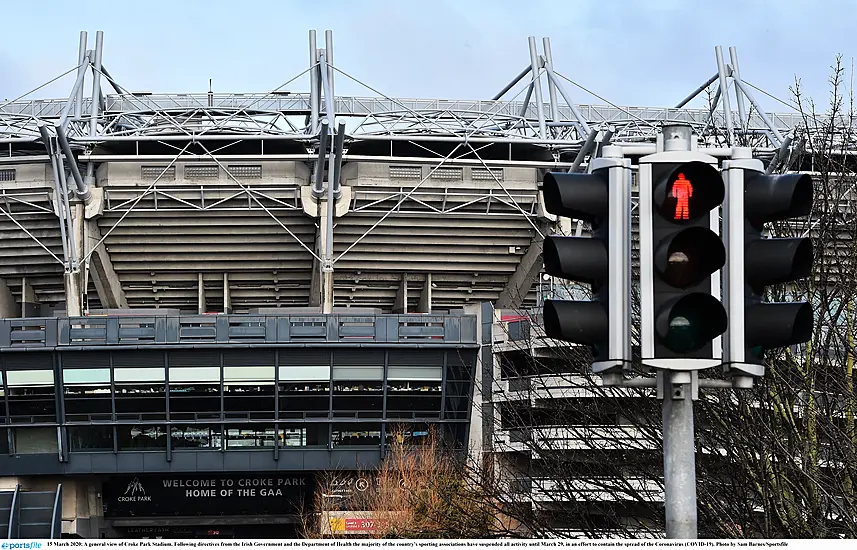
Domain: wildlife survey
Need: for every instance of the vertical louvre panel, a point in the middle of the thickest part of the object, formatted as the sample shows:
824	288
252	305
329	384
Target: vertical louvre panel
154	172
201	171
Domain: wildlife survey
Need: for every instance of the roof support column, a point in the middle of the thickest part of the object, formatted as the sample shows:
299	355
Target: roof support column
520	283
30	306
425	296
8	306
401	303
107	284
227	299
201	295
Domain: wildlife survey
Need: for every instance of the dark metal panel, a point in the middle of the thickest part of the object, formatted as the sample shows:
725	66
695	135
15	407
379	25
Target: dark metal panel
5	333
291	460
186	461
317	460
155	462
112	330
81	463
452	330
368	459
208	461
51	334
30	464
344	460
99	462
238	461
131	462
262	461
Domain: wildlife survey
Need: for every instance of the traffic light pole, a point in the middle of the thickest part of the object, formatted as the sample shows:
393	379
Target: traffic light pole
679	454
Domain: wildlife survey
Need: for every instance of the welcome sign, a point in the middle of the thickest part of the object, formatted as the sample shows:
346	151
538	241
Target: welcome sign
207	495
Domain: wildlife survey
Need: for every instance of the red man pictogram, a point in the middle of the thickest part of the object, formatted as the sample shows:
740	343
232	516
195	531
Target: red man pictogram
682	191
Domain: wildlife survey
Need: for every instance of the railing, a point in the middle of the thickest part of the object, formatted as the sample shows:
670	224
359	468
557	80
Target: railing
15	514
56	515
193	330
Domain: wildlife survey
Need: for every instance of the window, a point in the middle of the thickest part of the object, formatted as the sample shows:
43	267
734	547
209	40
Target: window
87	395
414	383
356	435
304	380
142	437
90	438
197	436
31	395
250	436
194	385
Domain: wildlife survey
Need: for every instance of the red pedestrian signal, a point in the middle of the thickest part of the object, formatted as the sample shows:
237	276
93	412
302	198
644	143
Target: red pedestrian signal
682	191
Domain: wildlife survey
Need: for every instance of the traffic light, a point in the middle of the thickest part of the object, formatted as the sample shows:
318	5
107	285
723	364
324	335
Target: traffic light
755	262
603	260
681	254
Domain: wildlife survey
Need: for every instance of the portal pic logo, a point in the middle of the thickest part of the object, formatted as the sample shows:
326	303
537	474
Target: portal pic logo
135	492
135	488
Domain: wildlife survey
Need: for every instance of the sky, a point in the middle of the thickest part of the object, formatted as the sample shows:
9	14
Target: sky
632	53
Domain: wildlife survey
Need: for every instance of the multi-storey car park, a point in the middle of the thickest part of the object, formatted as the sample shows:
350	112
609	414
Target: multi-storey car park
208	298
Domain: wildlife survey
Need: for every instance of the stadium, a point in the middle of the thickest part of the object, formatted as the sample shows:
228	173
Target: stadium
206	299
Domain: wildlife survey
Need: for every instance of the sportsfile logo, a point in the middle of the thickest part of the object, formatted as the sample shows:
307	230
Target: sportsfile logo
20	545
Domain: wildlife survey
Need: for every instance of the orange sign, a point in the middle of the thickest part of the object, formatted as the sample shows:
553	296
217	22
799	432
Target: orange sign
682	191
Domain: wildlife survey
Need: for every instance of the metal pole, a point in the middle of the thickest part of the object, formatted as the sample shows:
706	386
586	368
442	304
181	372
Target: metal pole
318	183
736	76
46	137
761	111
511	84
546	42
82	188
584	126
81	57
679	456
338	147
328	48
584	149
605	139
780	155
96	93
540	105
696	92
727	109
526	102
313	84
77	88
711	110
327	260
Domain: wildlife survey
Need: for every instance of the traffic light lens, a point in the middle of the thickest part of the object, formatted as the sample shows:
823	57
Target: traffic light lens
678	259
688	323
687	258
689	192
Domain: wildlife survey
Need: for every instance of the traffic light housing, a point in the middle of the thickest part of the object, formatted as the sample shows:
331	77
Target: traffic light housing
681	254
601	198
755	262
